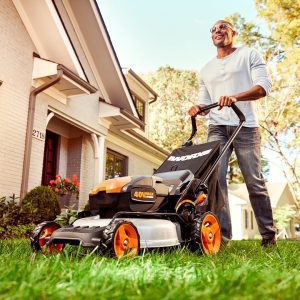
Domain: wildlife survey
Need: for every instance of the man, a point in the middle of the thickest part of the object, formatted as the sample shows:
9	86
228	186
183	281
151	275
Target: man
237	75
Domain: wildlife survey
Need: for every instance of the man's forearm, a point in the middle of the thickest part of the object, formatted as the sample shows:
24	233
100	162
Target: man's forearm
254	93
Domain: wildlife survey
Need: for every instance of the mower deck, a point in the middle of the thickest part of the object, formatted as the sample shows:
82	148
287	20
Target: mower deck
154	233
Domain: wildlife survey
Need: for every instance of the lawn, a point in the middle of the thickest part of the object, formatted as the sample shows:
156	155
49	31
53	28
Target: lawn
242	270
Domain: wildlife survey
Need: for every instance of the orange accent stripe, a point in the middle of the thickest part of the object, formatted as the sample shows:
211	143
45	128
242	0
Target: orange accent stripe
184	201
114	185
200	199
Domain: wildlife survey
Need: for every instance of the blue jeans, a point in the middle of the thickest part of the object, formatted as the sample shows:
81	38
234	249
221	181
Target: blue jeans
247	150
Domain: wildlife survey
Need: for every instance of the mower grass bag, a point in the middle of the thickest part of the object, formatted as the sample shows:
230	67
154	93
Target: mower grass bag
175	206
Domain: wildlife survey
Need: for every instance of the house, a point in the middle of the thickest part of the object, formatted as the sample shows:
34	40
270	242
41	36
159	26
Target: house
66	105
244	225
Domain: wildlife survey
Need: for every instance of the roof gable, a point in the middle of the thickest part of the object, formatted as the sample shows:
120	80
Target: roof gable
44	21
280	192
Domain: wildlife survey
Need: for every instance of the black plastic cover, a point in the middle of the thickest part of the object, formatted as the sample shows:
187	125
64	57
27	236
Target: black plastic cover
197	159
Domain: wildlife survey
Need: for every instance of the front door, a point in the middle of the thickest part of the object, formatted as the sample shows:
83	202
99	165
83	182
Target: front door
50	157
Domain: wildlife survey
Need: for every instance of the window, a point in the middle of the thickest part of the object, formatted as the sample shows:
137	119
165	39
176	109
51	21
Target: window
140	106
116	164
246	218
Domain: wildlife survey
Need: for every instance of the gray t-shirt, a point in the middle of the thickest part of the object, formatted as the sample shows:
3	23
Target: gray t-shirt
233	74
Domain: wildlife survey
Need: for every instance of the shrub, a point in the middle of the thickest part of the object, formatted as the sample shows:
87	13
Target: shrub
40	204
67	217
14	223
10	212
16	231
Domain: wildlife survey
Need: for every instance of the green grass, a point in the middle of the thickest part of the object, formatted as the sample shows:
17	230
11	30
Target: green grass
242	270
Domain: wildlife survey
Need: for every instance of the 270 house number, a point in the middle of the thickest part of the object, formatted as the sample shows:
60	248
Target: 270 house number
38	134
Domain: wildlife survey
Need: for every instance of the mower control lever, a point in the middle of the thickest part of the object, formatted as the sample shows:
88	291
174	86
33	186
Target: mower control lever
204	108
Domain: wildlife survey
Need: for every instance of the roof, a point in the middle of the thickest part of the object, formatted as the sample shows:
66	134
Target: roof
142	82
278	192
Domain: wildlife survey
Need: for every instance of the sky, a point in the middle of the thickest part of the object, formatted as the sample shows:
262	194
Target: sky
147	34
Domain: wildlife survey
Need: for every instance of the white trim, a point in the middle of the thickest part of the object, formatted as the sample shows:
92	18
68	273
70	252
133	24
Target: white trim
136	149
28	26
49	117
86	51
43	68
114	59
99	151
65	38
51	91
102	158
77	123
95	144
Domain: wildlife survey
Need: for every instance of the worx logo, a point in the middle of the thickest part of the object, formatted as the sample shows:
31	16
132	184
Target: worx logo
140	195
190	156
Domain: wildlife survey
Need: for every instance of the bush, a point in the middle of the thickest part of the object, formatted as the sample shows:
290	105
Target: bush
67	217
16	231
40	204
10	212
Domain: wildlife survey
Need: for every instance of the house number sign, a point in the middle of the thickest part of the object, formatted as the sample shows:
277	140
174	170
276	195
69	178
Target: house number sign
38	135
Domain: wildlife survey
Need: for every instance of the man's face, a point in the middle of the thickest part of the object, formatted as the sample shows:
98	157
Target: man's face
222	34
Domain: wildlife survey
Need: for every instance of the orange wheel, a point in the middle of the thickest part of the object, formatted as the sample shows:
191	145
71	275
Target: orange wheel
210	234
126	240
41	234
206	234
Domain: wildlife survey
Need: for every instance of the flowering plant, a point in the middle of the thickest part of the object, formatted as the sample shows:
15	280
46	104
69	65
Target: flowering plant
64	186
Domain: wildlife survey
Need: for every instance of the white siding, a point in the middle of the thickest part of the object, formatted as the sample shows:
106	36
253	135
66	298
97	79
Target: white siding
15	71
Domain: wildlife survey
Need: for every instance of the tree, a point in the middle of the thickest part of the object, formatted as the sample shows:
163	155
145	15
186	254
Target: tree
170	122
282	216
280	112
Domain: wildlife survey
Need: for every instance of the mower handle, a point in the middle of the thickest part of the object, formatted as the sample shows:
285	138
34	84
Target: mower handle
204	108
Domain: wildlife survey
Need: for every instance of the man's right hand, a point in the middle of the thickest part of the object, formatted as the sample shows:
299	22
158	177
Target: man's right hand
194	110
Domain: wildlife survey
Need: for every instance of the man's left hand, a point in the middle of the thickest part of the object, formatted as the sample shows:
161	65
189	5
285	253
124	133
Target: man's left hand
226	101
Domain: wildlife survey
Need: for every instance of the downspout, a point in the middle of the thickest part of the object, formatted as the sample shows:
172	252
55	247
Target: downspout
153	100
30	120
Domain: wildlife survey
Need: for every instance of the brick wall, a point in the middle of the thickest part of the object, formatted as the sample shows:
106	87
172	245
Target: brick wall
74	157
16	64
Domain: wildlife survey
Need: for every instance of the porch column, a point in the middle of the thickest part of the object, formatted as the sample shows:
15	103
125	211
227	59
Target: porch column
99	150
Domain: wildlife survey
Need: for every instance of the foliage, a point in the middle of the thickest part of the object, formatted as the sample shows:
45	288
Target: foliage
16	231
14	222
178	91
282	216
40	204
176	274
62	186
67	216
11	213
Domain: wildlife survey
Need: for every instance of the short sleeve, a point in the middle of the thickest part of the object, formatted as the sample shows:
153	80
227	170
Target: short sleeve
259	71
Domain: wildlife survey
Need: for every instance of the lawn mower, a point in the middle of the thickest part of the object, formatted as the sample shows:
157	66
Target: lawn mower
177	205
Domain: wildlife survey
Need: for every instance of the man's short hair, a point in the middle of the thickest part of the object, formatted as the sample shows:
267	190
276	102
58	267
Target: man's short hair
226	22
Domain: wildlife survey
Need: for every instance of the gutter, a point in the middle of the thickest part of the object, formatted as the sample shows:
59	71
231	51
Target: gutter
141	81
30	119
61	71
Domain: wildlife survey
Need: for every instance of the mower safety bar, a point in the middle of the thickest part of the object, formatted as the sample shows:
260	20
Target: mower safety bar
204	108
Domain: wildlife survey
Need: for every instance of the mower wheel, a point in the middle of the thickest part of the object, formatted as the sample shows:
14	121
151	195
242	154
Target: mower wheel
40	235
121	238
206	234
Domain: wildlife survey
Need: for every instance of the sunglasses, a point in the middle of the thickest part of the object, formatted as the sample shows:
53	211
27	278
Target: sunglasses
222	26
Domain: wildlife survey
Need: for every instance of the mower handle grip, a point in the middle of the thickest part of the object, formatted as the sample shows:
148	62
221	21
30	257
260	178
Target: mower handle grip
233	106
238	112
